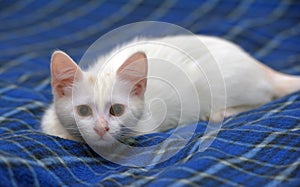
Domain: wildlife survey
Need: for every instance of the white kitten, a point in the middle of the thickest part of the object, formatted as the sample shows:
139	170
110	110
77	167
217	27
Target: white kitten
152	85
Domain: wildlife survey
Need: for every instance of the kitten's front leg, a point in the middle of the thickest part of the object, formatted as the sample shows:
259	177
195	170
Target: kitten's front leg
224	113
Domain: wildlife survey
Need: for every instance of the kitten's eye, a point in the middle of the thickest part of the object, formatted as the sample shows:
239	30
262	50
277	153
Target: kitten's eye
84	110
117	109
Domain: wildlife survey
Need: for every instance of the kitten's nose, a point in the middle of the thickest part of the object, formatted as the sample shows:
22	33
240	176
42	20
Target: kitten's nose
102	128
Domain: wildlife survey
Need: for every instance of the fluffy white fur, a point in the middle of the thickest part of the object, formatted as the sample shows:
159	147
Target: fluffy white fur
182	80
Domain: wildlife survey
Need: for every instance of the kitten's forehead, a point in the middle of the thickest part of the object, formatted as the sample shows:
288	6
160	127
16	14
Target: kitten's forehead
109	89
105	87
100	87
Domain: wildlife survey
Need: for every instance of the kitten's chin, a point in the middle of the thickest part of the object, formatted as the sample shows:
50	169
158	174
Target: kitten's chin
98	142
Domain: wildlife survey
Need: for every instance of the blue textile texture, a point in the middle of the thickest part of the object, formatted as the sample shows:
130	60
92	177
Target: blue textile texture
256	148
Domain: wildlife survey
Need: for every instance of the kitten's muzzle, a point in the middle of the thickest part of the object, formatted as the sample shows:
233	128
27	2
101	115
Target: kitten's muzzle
101	128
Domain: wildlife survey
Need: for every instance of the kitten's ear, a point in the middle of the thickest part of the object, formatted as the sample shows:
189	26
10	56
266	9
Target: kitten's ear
134	70
63	71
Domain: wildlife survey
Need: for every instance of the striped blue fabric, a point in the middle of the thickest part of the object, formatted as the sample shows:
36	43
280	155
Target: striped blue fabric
256	148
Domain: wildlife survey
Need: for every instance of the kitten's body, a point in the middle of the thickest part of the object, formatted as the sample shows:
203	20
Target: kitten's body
247	84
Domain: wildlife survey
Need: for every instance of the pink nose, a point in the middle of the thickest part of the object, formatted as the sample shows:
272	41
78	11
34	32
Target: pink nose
101	128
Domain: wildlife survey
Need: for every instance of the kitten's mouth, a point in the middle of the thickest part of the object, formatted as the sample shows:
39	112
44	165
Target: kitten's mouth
105	139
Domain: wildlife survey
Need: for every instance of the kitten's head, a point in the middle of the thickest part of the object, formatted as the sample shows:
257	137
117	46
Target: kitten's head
101	106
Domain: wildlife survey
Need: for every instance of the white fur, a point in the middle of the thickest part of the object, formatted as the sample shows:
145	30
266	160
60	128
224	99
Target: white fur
227	68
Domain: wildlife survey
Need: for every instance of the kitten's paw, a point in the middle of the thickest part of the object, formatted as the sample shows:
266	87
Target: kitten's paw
218	116
222	114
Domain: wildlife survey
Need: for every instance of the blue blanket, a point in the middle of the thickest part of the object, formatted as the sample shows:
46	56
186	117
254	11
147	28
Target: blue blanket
256	148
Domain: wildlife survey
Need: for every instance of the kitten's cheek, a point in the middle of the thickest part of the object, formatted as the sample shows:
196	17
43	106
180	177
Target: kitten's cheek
114	128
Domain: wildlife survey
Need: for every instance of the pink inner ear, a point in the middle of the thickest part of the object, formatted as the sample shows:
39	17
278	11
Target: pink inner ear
63	70
139	88
135	70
